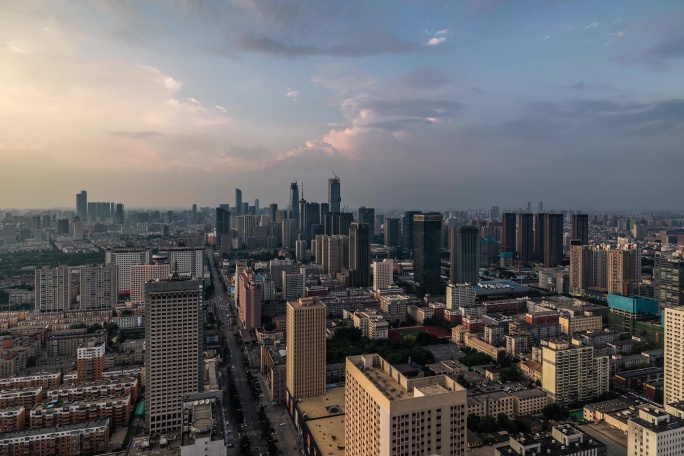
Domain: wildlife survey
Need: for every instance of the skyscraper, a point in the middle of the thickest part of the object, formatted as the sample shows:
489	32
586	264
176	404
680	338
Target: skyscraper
174	350
305	361
508	232
334	197
525	238
407	231
293	205
553	240
387	413
580	228
272	210
427	248
367	215
539	219
624	268
338	223
256	206
540	206
392	232
82	206
222	226
238	201
674	354
359	254
119	214
464	255
311	217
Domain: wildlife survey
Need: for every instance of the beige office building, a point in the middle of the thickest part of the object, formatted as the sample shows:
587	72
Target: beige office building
655	433
389	414
306	339
572	373
674	355
173	355
577	323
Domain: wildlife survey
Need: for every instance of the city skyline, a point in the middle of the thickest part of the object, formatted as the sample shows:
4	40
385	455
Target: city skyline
475	104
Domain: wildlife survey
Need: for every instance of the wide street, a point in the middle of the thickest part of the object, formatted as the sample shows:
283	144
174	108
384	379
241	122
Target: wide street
252	426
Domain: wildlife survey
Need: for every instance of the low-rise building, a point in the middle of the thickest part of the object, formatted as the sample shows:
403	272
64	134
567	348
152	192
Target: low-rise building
55	413
491	404
528	402
94	390
420	314
24	397
203	432
449	367
45	379
565	440
496	353
12	419
90	437
576	323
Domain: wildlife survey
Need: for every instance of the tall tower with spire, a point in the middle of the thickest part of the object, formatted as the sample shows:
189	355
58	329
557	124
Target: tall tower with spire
294	201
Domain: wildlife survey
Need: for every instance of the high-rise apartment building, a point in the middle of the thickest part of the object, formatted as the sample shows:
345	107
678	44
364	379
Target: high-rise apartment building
427	249
251	295
143	273
238	202
52	286
359	254
553	240
668	278
124	258
289	230
465	260
334	197
624	268
332	252
539	219
383	274
173	350
188	261
508	232
387	413
580	228
99	287
674	355
525	245
392	232
82	205
305	320
572	373
367	215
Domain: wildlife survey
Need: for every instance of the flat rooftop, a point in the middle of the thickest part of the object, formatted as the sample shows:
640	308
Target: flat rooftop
324	416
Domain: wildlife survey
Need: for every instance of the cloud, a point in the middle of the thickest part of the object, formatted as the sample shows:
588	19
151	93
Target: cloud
312	146
591	25
220	108
547	37
436	41
342	78
292	94
442	32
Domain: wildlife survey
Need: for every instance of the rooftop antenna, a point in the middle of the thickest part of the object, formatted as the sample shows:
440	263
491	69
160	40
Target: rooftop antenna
333	171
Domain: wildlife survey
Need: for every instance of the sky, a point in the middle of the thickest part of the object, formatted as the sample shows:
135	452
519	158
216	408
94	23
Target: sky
430	105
